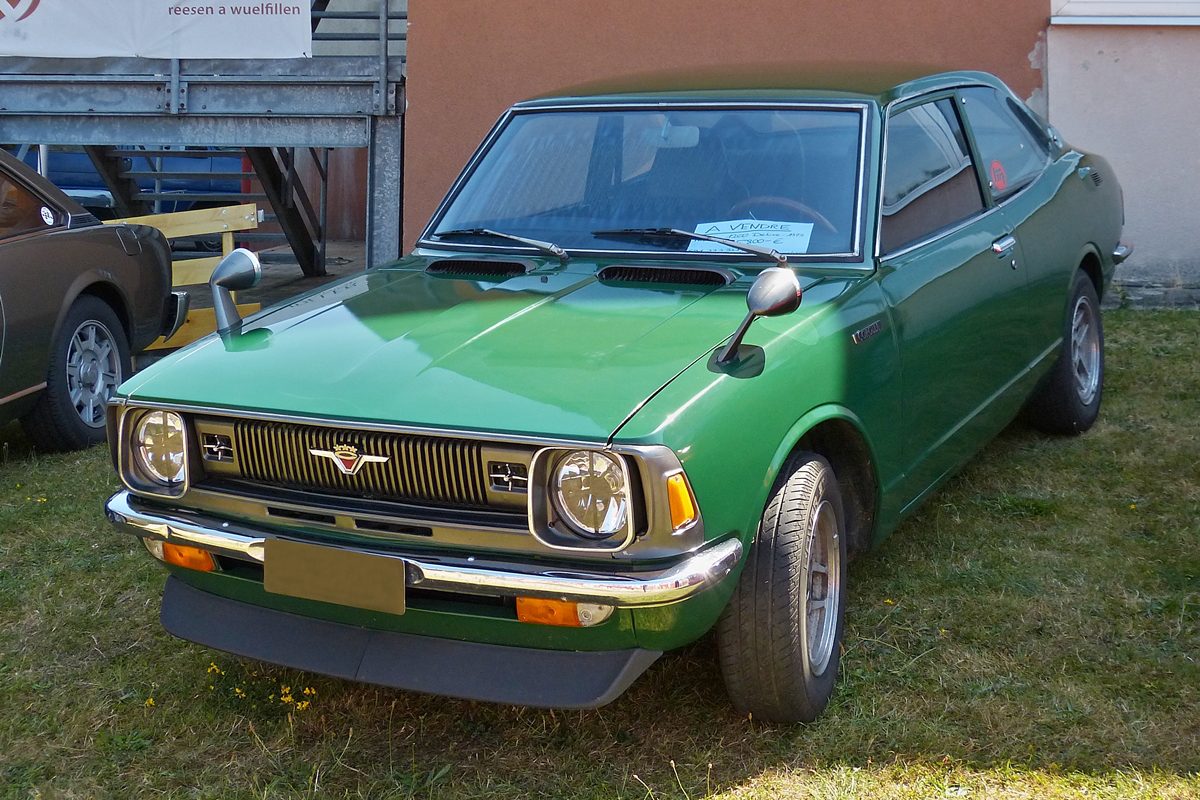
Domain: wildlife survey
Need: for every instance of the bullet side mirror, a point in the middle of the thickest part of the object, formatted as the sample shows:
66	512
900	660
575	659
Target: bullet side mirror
237	271
775	291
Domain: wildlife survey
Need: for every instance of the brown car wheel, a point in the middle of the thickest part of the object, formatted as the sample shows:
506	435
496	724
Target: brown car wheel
88	360
780	636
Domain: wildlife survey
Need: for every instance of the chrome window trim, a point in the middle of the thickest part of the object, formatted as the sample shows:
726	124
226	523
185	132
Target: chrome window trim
990	203
862	107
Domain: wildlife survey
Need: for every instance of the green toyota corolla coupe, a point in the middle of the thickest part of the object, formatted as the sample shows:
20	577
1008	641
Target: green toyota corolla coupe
661	362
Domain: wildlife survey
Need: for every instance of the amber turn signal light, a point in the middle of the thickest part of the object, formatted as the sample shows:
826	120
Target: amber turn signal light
564	613
548	612
181	555
683	508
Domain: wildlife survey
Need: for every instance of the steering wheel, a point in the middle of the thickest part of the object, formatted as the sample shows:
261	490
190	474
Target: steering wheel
783	202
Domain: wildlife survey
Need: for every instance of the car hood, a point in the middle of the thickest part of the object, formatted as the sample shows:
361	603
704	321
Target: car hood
554	353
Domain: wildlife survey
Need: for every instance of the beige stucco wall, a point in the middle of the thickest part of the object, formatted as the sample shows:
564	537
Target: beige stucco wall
469	60
1132	94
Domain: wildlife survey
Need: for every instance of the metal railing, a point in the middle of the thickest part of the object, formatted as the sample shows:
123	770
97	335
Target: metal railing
378	27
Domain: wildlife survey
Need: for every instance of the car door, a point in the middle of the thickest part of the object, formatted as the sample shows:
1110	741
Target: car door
1014	150
954	277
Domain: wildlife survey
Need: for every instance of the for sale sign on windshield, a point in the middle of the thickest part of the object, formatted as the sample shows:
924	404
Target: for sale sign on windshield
155	29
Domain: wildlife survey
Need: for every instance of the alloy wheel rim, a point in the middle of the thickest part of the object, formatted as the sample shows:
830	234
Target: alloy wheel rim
822	590
1085	350
93	371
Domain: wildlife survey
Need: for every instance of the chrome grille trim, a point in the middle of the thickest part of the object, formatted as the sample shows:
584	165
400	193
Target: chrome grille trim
429	469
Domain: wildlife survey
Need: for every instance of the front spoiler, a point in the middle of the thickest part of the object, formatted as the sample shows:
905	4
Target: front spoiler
470	670
628	589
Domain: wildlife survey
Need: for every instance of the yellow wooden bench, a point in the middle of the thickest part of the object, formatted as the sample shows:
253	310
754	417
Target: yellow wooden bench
225	221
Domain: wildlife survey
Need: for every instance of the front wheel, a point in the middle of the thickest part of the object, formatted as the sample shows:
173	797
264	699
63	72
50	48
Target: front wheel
88	360
1069	400
780	637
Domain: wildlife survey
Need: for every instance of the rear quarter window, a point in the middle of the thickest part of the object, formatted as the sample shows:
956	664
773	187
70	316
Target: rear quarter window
1012	156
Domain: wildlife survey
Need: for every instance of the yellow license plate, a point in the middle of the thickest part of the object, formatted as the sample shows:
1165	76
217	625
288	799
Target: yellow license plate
331	575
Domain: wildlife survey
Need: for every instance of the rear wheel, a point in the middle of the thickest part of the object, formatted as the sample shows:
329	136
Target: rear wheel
780	636
1069	401
88	360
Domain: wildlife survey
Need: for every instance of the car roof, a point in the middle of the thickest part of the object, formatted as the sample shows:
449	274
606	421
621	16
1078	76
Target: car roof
881	85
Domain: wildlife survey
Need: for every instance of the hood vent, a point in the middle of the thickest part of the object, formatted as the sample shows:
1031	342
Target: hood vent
673	275
470	268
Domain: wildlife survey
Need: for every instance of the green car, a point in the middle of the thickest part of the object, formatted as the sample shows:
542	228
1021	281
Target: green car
661	363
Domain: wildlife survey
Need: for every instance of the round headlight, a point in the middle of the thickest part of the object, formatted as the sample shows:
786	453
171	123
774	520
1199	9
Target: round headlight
590	492
159	445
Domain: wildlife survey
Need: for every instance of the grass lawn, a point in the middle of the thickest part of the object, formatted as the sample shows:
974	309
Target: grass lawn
1033	632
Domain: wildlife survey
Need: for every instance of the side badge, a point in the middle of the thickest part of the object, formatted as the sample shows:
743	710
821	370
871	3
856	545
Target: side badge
47	216
863	334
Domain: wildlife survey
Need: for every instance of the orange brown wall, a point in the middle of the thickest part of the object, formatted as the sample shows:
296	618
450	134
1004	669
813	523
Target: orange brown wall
468	60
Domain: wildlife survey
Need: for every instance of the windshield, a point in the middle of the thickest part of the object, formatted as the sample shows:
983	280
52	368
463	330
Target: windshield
783	178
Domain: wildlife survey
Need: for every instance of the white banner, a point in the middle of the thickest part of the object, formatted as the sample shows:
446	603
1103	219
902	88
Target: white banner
156	28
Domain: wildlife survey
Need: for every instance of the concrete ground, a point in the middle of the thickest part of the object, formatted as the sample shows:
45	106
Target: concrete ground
282	277
1155	286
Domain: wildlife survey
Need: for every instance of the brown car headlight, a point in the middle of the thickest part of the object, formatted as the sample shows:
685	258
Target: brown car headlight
590	491
159	446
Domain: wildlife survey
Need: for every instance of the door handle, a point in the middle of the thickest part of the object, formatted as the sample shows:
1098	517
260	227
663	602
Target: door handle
1004	245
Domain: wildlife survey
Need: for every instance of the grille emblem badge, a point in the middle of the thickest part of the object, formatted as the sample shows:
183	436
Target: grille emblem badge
347	458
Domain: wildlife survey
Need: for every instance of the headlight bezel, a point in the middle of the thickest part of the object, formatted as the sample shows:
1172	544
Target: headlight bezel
546	521
173	425
133	472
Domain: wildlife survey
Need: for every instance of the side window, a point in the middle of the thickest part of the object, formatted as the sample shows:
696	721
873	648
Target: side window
1012	156
20	211
930	182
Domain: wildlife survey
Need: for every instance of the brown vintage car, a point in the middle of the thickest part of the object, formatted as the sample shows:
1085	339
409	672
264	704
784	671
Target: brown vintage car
76	298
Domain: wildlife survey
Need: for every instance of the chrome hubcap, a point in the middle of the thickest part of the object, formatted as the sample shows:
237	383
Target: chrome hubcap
93	371
1085	350
822	589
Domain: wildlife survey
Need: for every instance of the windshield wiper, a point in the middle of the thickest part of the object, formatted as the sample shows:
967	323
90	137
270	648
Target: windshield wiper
676	233
546	247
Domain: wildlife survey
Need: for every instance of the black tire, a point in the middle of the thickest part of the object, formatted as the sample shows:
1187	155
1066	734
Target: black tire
1068	401
88	360
763	636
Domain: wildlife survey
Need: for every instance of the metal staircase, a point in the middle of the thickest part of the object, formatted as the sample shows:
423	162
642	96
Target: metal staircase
134	116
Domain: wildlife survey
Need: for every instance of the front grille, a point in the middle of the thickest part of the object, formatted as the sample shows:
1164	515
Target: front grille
424	469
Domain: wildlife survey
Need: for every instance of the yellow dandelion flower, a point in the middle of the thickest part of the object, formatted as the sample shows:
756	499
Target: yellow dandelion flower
149	702
303	704
889	602
1133	505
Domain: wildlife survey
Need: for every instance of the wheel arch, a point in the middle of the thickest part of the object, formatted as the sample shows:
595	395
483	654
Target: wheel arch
105	291
1089	262
838	435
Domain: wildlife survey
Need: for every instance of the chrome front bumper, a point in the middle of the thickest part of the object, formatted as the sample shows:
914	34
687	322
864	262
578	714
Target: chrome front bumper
471	575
